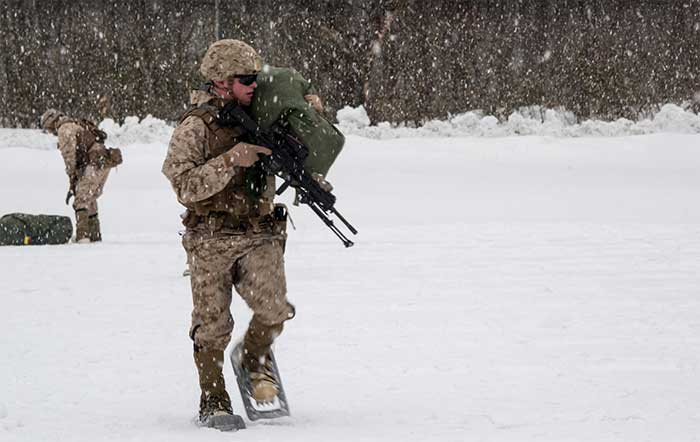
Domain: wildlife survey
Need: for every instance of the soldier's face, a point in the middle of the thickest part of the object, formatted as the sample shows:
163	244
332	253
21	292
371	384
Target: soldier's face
233	88
242	92
224	88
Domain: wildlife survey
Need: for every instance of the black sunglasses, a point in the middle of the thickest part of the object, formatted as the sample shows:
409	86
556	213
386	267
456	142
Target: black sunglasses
247	80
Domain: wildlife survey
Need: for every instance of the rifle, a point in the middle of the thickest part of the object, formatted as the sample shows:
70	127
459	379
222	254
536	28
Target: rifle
287	162
81	160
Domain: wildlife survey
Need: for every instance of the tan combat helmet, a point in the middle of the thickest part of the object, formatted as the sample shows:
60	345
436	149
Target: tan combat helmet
226	58
49	120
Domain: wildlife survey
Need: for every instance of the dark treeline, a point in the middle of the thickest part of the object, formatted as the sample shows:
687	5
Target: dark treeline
404	60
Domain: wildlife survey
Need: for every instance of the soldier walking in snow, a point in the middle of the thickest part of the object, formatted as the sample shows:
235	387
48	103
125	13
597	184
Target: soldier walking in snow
235	234
88	163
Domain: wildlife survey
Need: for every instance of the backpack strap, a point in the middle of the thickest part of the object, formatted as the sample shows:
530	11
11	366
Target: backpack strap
100	135
205	112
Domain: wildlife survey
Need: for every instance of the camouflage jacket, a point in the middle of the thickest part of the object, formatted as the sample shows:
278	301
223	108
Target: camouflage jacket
80	144
198	174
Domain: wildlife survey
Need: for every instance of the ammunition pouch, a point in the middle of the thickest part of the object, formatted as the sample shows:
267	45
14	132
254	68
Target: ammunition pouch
98	156
228	223
115	157
279	215
101	157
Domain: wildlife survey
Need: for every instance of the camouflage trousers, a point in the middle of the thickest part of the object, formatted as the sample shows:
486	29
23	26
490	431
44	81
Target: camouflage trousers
89	188
253	264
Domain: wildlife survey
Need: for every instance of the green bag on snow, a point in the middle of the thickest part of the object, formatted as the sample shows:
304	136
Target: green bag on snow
279	96
17	229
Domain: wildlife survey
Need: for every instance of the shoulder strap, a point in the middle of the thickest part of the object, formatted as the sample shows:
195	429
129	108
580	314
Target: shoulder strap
100	135
206	113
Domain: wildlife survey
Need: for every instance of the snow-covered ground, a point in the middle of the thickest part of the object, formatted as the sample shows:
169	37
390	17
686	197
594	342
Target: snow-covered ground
522	288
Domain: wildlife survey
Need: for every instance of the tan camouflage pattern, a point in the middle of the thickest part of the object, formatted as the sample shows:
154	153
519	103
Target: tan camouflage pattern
226	58
194	177
49	119
68	146
92	178
199	173
253	264
90	186
219	258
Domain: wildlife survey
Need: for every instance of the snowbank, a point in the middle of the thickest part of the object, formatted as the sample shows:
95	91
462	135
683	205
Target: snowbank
26	138
527	121
147	131
532	120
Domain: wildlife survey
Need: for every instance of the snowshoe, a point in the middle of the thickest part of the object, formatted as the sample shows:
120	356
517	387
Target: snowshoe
278	406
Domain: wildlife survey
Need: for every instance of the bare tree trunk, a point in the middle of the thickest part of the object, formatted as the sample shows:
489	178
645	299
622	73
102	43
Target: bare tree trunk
4	79
375	53
217	30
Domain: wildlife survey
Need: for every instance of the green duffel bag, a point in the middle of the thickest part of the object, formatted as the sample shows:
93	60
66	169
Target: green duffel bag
279	96
22	229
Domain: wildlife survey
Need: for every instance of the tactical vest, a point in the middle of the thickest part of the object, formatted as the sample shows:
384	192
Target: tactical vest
250	192
86	138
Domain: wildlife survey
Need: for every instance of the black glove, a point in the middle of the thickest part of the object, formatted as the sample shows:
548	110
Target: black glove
69	195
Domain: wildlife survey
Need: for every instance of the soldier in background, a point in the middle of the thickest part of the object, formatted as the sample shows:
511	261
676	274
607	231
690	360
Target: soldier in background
88	163
235	234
